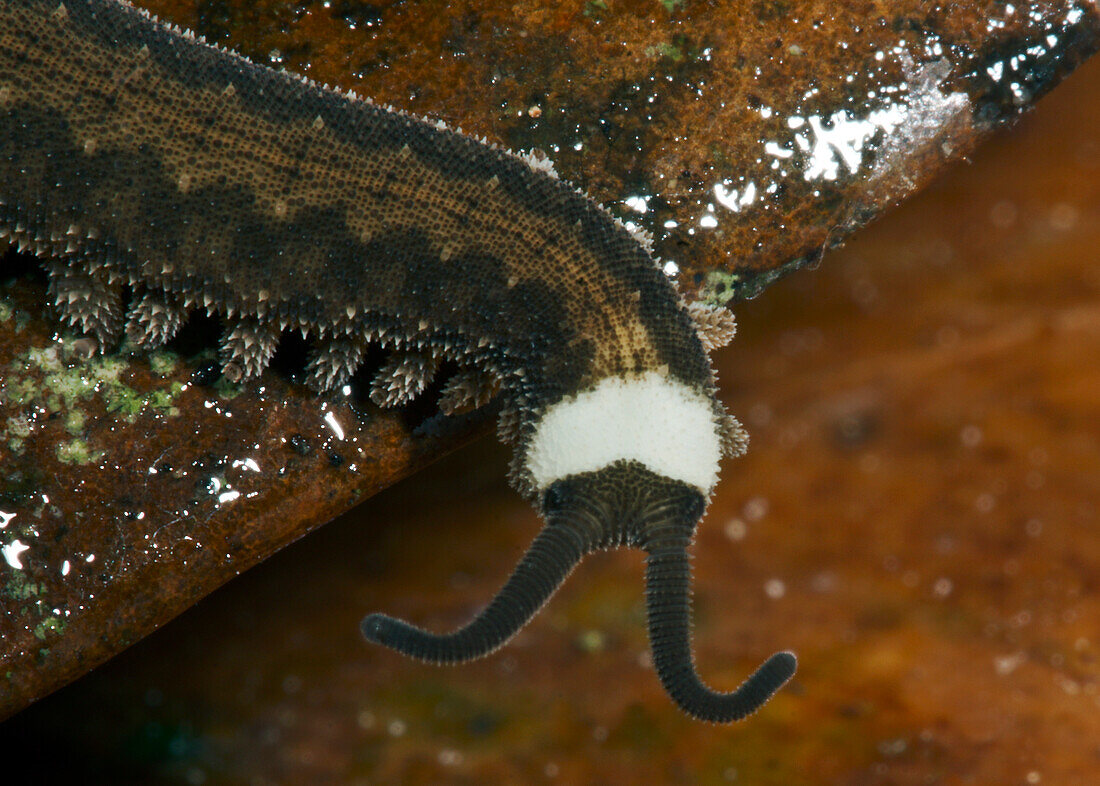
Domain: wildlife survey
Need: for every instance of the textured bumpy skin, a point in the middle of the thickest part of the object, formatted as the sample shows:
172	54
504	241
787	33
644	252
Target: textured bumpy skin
134	156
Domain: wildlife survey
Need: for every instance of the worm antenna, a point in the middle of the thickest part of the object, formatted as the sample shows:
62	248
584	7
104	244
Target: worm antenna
551	557
668	599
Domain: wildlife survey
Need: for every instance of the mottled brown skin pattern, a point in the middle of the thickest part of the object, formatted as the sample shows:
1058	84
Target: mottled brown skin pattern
250	191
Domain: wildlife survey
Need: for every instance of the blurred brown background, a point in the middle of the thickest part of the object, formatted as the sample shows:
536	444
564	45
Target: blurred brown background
916	518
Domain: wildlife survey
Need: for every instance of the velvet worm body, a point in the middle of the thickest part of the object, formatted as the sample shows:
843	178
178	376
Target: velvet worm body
136	157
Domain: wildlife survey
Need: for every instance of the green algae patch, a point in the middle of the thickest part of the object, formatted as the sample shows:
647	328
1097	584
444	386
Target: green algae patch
55	380
51	624
78	453
29	595
9	313
18	392
58	379
163	363
20	588
18	426
74	422
720	287
130	403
